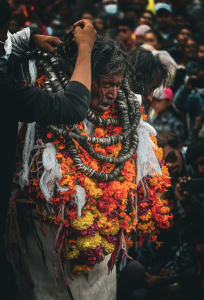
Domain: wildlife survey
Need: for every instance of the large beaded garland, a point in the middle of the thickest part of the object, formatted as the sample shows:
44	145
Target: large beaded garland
104	165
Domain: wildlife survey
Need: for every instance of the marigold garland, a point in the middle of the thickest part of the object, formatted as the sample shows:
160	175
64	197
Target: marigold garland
109	206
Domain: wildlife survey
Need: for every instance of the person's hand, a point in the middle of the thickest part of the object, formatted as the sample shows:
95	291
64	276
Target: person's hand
188	84
165	274
151	280
84	34
182	197
44	42
198	121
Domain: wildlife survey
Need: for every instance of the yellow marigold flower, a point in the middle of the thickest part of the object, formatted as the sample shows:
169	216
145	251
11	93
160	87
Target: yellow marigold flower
89	242
108	246
90	186
83	222
110	228
72	251
84	268
128	242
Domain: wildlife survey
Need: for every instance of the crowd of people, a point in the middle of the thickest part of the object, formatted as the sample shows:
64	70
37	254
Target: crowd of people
173	31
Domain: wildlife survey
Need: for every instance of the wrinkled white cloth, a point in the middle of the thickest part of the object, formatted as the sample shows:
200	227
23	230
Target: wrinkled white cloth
147	162
7	46
80	198
28	146
52	171
32	71
100	286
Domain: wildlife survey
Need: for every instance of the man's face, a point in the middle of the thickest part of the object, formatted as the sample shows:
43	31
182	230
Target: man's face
146	19
174	160
124	33
190	48
180	21
103	96
151	39
164	19
184	35
199	166
160	106
201	52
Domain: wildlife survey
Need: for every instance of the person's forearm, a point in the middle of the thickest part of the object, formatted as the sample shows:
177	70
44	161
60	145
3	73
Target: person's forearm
82	71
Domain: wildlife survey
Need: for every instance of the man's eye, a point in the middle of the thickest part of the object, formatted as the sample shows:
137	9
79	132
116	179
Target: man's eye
105	87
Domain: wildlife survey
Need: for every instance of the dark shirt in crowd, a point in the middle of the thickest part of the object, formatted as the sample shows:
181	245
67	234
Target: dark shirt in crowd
25	104
189	101
149	256
169	122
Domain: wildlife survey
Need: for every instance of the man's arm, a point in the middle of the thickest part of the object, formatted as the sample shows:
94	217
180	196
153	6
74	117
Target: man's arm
26	40
27	104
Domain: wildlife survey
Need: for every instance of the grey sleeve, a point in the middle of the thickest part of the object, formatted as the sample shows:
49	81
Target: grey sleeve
20	44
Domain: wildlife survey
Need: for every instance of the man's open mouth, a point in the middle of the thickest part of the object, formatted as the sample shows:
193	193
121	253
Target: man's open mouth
104	106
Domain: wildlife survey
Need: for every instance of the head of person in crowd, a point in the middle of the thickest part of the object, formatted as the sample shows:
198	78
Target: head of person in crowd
14	25
195	156
125	30
190	49
99	24
179	20
147	74
140	5
184	34
132	13
35	18
192	232
154	39
162	100
200	53
64	11
164	16
147	18
56	27
88	15
5	15
109	68
110	7
140	33
172	152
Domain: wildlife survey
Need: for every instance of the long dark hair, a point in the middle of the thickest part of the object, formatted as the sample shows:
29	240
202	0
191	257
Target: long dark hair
147	70
107	59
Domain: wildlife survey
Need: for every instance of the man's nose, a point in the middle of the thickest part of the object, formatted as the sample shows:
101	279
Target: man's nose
112	93
169	164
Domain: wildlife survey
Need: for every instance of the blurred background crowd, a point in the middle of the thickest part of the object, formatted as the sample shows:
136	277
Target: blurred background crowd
174	32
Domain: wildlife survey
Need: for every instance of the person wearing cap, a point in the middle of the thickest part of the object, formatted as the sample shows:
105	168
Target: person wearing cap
167	118
140	33
190	97
164	16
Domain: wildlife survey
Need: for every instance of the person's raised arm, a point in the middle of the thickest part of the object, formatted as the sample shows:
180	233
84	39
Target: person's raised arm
85	37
